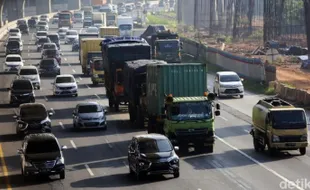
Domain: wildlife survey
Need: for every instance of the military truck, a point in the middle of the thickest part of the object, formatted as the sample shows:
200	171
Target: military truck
279	125
173	100
115	52
165	44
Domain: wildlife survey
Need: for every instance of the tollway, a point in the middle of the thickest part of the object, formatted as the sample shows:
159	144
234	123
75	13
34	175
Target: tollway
98	159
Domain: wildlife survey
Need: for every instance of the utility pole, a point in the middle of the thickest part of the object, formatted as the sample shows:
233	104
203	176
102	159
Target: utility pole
307	20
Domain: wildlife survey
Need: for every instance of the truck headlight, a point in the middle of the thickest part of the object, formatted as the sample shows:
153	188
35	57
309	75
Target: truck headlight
275	138
304	137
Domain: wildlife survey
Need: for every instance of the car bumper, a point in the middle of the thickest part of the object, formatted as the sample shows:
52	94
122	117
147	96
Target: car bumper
160	169
65	92
91	124
36	83
97	79
289	145
31	171
231	91
22	99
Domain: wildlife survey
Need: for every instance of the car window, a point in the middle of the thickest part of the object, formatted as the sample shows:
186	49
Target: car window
71	33
41	34
47	63
14	30
62	30
64	80
43	40
33	112
13	59
53	37
28	72
49	46
89	109
154	145
37	147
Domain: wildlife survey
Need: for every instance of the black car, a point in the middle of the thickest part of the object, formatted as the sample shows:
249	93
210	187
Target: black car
21	91
13	47
33	118
51	53
32	23
41	42
49	66
152	154
20	22
24	28
75	45
41	154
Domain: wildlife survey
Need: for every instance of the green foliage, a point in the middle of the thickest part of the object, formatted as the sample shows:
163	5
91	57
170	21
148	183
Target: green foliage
257	35
153	19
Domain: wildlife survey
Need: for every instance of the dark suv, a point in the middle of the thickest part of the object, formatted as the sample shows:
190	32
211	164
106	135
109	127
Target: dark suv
41	154
33	118
21	91
51	53
41	42
152	154
49	66
54	39
13	47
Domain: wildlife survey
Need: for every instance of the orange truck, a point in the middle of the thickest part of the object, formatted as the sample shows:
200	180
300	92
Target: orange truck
98	2
65	19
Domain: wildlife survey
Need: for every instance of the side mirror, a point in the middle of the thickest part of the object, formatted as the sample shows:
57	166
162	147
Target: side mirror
20	151
105	111
50	114
73	113
218	106
64	147
217	113
176	148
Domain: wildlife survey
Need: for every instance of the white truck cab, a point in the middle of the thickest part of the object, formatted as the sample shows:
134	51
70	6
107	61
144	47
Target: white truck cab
125	25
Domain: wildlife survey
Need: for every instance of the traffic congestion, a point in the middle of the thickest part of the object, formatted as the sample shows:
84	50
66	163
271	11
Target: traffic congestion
93	102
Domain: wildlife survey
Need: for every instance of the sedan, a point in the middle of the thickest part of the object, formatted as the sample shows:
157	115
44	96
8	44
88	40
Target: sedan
71	35
49	66
51	53
89	115
65	85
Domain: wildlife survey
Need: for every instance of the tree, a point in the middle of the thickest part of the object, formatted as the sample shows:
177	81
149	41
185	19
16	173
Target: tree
229	16
237	18
212	12
250	15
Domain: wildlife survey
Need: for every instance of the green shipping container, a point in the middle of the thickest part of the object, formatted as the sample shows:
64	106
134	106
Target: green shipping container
180	80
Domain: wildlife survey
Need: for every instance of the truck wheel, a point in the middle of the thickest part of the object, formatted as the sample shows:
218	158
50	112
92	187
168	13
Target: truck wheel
111	102
256	144
302	151
116	106
271	151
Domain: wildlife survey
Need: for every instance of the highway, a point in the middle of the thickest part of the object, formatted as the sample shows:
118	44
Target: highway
98	159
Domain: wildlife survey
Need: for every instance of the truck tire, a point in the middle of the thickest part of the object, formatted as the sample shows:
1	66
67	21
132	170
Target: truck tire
256	144
271	151
111	103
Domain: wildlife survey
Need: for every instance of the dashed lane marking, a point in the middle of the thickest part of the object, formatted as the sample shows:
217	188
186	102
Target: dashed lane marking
80	78
87	86
97	96
52	110
62	126
109	144
73	144
89	170
4	169
125	164
223	118
45	98
73	70
245	130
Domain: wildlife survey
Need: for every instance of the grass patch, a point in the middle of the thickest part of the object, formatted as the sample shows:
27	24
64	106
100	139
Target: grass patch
289	85
154	19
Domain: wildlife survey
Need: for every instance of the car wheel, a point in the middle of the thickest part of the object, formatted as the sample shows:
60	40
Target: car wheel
176	174
241	96
76	95
62	175
131	172
39	87
302	151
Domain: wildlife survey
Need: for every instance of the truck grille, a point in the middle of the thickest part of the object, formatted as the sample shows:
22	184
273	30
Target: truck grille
290	138
187	132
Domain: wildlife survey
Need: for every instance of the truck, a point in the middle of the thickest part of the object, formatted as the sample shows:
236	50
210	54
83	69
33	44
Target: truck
88	45
107	32
99	18
65	19
98	2
125	25
115	51
167	97
111	19
279	125
83	36
165	44
97	70
88	12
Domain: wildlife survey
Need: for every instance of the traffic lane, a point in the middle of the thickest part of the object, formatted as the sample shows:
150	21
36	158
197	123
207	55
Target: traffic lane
288	164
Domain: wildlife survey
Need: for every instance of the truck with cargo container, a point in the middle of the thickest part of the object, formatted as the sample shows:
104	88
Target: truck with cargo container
78	17
83	36
173	100
279	125
111	19
108	32
88	12
99	18
125	25
88	45
115	52
65	19
165	44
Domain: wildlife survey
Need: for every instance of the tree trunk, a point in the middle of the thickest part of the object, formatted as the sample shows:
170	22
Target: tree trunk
212	19
236	19
250	15
229	16
307	20
280	17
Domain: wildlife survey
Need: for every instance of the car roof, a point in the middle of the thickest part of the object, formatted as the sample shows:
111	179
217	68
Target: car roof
71	31
40	137
28	67
25	105
42	32
88	103
227	73
14	29
20	80
66	75
13	55
48	59
154	136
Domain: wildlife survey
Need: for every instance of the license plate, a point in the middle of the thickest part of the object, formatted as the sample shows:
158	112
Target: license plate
290	144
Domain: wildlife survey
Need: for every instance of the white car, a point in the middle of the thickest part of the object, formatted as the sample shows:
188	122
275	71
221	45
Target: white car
41	34
65	85
15	32
43	23
228	83
62	32
31	73
71	35
44	18
15	38
13	62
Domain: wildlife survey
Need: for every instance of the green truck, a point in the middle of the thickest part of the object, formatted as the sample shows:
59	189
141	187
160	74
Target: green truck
173	100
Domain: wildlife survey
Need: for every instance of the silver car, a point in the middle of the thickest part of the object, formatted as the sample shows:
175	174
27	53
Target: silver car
89	115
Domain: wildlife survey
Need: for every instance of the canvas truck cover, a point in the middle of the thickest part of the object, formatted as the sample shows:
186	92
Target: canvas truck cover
135	75
180	80
85	35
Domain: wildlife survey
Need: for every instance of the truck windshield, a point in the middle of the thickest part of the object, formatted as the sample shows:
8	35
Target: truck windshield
290	119
191	111
168	46
64	16
125	27
111	17
77	15
98	65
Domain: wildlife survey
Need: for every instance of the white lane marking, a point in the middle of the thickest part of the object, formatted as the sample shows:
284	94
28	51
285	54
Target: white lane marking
89	170
100	161
291	183
125	164
199	189
73	70
223	118
245	130
52	110
87	86
62	126
80	78
28	50
45	98
65	59
15	111
73	144
97	96
107	141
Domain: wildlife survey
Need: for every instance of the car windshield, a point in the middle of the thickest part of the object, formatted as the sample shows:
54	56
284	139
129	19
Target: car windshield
28	72
53	37
13	59
41	34
71	33
22	85
51	52
14	30
47	63
15	39
229	78
13	44
125	27
148	146
64	79
43	40
290	119
89	109
42	23
87	23
49	46
111	17
92	30
62	30
168	46
77	15
43	146
191	111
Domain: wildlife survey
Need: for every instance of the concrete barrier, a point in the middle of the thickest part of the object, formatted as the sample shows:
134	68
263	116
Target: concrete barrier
300	96
291	94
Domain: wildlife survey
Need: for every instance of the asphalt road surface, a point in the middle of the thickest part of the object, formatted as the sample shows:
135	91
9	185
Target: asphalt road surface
98	159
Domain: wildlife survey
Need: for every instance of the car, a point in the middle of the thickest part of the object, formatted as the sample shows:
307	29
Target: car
75	45
71	35
41	34
15	38
41	154
15	31
65	85
13	62
51	53
32	23
44	18
51	46
89	115
21	91
41	42
92	30
49	66
228	83
152	154
87	23
62	32
43	23
13	47
21	21
54	37
98	25
24	28
55	19
31	73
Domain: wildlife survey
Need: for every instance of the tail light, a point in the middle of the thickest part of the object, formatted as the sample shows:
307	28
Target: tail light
119	89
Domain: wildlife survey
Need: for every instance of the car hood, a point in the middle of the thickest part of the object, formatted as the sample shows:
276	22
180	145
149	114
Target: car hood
62	33
24	91
71	36
43	156
13	63
237	83
90	115
31	77
41	37
159	155
65	84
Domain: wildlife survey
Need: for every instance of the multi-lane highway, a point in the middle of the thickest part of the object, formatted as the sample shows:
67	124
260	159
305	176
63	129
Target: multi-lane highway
97	159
